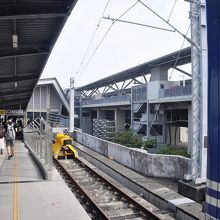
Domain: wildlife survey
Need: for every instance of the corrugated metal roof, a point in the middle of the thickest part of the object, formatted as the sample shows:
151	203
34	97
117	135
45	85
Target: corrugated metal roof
37	23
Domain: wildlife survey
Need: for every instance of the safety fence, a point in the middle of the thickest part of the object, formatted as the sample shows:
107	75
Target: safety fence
38	138
56	120
139	93
176	91
107	100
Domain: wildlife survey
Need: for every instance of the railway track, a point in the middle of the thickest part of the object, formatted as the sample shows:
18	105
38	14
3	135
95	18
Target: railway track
101	198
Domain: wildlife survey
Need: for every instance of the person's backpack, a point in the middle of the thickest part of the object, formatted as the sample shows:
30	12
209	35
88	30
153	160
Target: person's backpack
10	134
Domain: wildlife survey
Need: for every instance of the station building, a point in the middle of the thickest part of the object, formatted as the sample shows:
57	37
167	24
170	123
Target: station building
156	108
48	101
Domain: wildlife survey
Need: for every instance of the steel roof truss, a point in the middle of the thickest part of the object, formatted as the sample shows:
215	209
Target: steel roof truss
137	81
182	71
112	87
116	86
128	83
123	85
145	79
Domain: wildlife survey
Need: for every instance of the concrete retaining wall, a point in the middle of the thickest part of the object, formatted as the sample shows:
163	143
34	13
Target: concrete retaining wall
136	159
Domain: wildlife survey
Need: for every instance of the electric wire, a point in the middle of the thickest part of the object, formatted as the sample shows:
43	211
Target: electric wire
178	56
172	11
140	24
174	28
103	38
93	36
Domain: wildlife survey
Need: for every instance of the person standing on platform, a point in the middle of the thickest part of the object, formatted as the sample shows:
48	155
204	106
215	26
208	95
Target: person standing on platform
10	139
2	137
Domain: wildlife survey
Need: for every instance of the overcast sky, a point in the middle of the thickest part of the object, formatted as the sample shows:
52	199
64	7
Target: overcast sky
125	45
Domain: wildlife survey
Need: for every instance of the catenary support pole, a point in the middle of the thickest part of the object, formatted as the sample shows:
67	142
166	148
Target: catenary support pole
71	125
204	90
196	89
199	90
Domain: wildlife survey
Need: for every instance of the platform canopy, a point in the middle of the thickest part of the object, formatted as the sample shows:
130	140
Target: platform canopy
28	32
176	59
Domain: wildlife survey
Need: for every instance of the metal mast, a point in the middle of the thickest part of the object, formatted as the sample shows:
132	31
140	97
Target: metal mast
199	89
196	88
71	125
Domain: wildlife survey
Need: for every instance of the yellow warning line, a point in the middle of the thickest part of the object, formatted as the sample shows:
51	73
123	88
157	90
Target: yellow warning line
16	208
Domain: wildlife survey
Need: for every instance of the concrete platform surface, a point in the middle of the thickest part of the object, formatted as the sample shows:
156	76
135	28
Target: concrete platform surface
26	196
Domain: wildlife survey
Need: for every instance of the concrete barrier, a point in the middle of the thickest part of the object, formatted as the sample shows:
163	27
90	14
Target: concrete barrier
157	165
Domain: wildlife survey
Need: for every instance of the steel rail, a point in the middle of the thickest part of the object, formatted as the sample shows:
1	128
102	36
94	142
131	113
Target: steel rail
94	204
137	205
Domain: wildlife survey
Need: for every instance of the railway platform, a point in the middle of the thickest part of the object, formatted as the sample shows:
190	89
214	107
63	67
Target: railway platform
25	195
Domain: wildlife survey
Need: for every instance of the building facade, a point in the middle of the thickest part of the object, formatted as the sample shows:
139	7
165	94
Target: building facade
48	100
156	108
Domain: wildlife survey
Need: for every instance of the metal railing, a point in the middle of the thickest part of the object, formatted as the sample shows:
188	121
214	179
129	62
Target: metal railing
38	137
56	120
175	91
105	100
139	93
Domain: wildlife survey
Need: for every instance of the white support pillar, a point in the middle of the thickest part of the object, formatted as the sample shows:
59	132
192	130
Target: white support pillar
71	125
119	120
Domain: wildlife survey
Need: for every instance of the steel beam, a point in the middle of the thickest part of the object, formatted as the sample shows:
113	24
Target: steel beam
182	71
12	101
18	78
16	92
22	52
32	10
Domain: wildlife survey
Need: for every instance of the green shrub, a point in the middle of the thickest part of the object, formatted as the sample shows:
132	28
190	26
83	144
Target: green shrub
168	150
150	144
128	138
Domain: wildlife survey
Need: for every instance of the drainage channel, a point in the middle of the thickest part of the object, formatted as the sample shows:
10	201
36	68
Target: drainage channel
99	197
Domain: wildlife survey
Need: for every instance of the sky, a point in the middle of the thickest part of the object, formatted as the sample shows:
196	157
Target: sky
124	46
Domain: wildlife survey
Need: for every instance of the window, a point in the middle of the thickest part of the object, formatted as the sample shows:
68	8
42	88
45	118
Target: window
44	115
156	130
86	114
162	86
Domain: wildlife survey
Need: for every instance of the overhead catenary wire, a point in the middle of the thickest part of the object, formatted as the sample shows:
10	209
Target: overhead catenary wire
178	56
97	27
179	32
174	4
93	36
103	38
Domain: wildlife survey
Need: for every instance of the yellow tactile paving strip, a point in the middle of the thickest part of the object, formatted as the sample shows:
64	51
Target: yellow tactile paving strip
16	210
